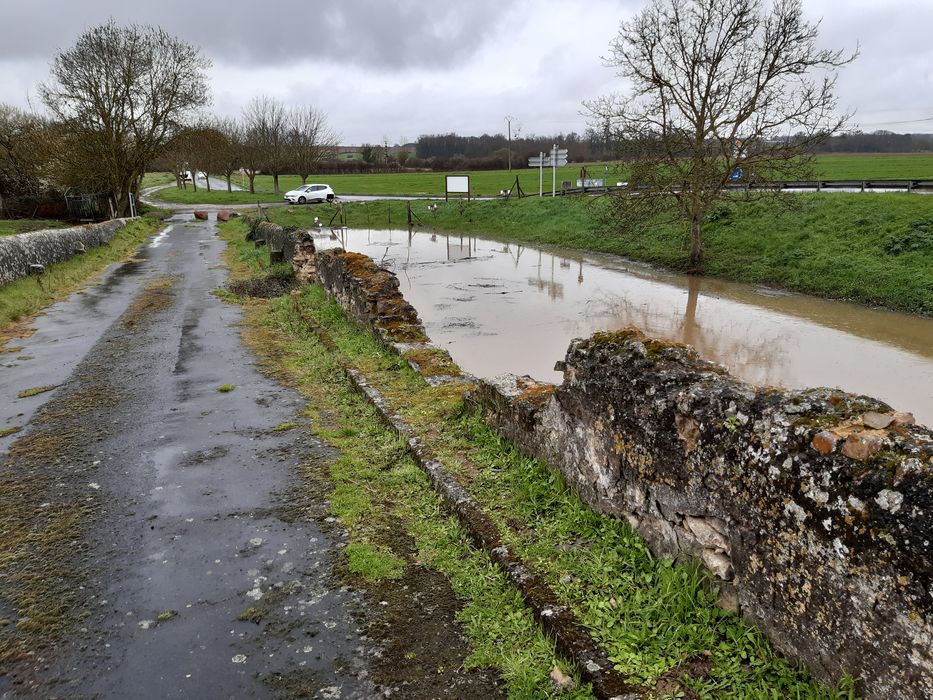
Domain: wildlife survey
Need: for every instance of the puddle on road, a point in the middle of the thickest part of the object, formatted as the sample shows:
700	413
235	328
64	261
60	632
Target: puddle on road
509	308
161	236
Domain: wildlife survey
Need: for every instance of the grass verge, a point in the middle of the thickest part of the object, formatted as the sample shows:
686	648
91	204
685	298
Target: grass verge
10	227
25	296
659	622
874	249
382	497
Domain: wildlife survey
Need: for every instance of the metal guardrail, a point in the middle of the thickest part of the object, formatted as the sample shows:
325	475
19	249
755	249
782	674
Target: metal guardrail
814	185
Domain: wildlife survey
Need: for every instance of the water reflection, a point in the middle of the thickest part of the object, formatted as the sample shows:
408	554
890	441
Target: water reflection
457	250
505	307
764	359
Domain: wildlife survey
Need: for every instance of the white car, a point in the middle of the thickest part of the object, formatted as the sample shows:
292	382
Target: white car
310	193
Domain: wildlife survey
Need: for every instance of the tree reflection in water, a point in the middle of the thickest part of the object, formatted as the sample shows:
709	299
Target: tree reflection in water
761	359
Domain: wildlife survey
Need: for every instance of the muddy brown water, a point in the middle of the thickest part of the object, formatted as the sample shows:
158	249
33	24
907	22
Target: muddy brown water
501	307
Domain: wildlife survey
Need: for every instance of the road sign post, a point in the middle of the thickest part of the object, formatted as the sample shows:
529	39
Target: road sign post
539	161
558	157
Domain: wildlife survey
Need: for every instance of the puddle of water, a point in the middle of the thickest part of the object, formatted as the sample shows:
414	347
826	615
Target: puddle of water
508	308
161	236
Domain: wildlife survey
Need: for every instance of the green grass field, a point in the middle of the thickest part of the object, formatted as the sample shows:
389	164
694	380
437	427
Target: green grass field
882	166
9	227
153	179
490	182
871	248
484	183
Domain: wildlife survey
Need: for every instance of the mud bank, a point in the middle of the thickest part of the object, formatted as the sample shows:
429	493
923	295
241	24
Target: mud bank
808	508
18	253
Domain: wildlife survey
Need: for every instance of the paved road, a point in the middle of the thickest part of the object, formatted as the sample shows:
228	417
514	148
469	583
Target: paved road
146	197
187	487
218	184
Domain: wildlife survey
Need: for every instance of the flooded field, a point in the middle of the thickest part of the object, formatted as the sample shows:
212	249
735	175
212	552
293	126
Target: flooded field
510	308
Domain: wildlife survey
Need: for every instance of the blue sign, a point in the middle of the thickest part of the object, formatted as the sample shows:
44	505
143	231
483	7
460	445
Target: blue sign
736	174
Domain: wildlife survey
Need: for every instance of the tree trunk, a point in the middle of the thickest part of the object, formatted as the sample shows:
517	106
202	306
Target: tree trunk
122	208
304	180
229	186
178	181
696	243
252	177
194	181
275	182
207	181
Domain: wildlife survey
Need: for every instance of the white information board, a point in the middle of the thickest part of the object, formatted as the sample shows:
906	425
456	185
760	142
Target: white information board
457	184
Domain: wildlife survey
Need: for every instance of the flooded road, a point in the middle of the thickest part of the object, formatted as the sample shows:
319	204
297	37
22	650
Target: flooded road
510	308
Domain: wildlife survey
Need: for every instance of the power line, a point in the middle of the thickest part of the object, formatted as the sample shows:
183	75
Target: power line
906	121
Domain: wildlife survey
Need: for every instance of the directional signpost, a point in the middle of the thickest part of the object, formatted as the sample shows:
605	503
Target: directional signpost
557	157
539	161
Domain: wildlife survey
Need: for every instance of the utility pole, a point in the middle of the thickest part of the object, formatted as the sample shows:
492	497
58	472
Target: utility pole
508	121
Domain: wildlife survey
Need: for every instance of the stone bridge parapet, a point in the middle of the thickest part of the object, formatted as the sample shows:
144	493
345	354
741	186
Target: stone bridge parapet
810	509
27	253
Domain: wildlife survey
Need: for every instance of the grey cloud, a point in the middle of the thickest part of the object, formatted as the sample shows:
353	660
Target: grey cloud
409	67
370	33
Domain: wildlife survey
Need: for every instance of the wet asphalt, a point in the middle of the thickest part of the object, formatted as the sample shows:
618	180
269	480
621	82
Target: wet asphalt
195	527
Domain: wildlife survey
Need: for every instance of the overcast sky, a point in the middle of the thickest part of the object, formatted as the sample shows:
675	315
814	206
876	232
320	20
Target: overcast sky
401	68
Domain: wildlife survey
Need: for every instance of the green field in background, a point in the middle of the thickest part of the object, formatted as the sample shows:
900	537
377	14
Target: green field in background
488	183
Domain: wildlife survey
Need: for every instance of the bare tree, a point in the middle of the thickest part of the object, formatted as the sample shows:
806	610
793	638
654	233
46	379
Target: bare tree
207	147
175	156
267	122
716	85
26	152
310	139
230	157
121	92
251	153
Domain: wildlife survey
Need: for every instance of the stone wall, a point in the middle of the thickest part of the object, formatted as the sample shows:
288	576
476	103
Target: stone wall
811	509
18	253
369	294
282	241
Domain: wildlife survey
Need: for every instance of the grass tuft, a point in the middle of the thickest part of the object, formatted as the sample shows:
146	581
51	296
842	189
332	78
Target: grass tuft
372	562
26	393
